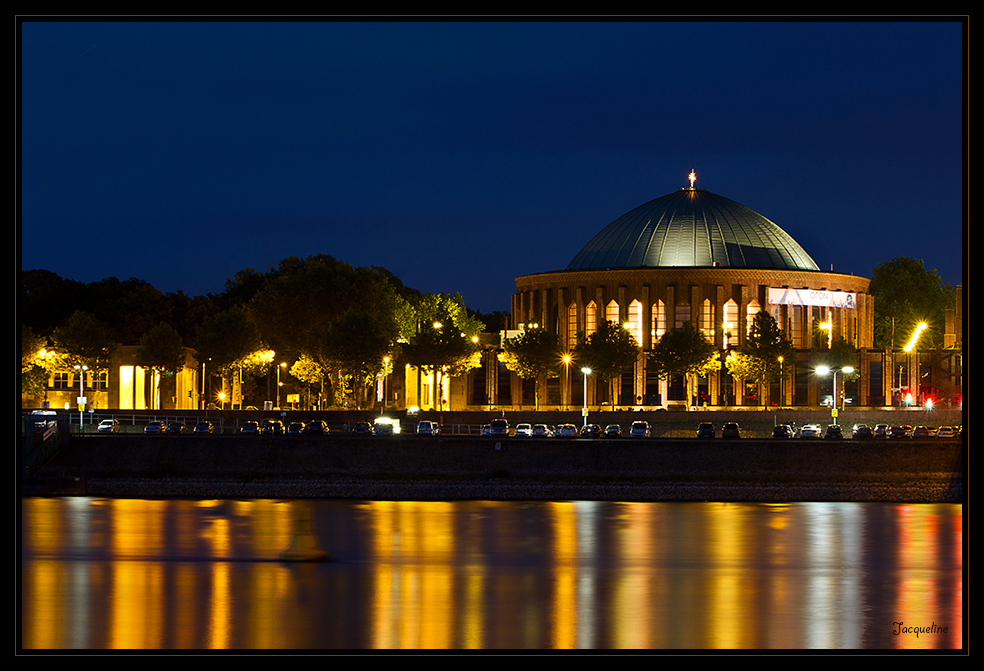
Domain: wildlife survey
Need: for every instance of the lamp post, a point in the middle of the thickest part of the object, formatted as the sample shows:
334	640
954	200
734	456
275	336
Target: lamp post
782	396
81	370
586	372
908	349
282	365
567	381
386	363
823	370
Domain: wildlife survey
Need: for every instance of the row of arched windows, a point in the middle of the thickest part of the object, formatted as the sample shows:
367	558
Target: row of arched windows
634	320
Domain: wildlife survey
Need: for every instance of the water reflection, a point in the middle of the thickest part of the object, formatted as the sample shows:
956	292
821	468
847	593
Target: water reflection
185	574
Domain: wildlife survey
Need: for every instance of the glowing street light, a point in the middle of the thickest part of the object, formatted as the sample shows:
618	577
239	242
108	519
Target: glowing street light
567	380
82	370
584	411
824	370
915	336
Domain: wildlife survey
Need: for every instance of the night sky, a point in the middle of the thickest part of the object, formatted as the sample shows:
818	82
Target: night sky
462	155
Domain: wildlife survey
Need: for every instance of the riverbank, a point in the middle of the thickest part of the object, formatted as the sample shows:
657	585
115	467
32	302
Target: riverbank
938	490
418	468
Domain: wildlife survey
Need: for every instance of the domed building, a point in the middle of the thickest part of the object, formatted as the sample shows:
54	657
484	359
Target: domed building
695	256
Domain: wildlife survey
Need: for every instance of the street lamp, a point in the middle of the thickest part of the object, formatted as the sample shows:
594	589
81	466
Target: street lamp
782	396
586	372
82	370
282	365
824	370
908	349
567	381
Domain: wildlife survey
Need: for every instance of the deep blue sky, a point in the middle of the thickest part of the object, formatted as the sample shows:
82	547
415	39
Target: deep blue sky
462	155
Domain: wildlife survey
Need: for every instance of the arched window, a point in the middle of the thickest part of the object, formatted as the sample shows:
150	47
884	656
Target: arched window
571	326
659	320
635	321
611	313
707	320
730	324
590	318
753	309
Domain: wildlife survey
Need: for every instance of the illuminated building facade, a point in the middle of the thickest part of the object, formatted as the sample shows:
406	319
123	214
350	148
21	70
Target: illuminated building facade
694	256
124	386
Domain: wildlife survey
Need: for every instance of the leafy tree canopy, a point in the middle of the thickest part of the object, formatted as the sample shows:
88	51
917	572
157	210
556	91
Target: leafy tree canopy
905	294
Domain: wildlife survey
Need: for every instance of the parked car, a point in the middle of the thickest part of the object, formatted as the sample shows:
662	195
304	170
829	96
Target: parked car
730	430
154	427
524	429
108	426
810	431
923	432
640	429
782	431
250	427
362	429
881	431
590	431
427	428
315	427
385	426
543	430
613	431
176	427
901	431
705	430
295	428
498	427
834	431
203	427
862	432
272	427
946	432
567	431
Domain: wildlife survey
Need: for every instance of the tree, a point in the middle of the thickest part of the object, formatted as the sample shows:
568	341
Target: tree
226	339
759	360
607	352
905	294
160	350
357	344
683	351
443	348
85	341
532	355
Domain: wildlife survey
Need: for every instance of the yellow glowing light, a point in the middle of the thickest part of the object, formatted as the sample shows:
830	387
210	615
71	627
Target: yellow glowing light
915	336
692	177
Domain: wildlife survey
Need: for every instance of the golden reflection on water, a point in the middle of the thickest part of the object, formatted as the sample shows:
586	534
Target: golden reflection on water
146	574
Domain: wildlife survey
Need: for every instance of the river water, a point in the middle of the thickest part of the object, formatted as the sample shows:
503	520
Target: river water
143	574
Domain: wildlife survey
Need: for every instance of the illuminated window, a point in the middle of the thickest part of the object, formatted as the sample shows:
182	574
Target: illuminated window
752	310
659	320
611	313
61	381
707	320
731	322
572	326
635	321
590	318
795	332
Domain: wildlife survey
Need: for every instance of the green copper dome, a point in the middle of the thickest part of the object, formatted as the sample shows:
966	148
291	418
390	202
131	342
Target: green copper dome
692	228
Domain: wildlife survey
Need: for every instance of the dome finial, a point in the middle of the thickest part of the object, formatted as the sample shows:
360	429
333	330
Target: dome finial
692	177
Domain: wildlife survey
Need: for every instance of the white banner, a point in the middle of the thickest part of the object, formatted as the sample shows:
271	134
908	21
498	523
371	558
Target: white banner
831	299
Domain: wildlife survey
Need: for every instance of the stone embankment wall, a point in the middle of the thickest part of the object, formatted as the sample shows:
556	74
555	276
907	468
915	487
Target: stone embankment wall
663	459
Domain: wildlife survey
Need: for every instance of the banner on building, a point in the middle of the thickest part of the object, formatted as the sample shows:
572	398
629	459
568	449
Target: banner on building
829	299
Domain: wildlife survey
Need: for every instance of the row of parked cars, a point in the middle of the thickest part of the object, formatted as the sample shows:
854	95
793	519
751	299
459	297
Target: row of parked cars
864	431
500	427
